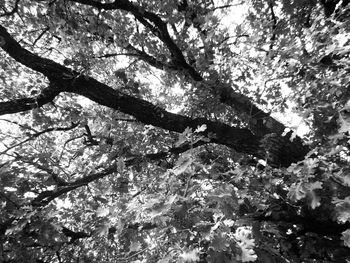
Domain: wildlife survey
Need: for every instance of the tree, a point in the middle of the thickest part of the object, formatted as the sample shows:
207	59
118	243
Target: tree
143	131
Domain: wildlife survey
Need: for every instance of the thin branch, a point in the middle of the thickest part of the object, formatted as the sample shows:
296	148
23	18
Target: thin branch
36	135
226	6
274	26
46	197
127	259
9	200
90	138
240	139
155	24
115	55
56	178
127	120
58	256
68	141
151	60
4	164
25	127
74	235
10	13
40	35
262	124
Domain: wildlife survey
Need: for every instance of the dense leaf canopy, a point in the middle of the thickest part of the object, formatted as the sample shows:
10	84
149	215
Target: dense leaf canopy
174	131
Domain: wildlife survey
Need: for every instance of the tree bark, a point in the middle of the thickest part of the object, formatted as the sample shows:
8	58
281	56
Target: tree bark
63	79
260	122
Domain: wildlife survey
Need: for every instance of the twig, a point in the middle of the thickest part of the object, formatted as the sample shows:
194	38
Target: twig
58	180
127	120
68	141
130	257
40	36
9	13
226	6
33	136
115	55
274	26
20	125
10	200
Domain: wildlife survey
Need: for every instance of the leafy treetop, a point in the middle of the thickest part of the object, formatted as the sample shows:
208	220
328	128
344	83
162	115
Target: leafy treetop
150	131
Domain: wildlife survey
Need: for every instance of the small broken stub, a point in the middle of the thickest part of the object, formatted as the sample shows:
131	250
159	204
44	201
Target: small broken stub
2	41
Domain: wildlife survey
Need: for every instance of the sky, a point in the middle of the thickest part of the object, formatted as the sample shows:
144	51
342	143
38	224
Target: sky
235	16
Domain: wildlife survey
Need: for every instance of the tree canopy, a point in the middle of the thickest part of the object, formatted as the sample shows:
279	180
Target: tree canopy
174	131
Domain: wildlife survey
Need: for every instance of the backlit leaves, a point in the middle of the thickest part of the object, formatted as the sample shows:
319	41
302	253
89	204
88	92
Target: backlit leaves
116	188
346	237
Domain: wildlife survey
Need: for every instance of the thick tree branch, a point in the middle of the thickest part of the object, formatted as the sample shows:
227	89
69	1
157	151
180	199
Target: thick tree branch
151	60
147	113
51	69
260	123
55	177
309	223
46	197
80	234
64	79
155	24
47	95
74	235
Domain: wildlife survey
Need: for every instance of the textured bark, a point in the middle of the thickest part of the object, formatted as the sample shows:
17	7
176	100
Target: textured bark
64	79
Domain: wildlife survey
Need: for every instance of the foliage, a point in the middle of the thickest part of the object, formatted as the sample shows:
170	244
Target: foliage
174	131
